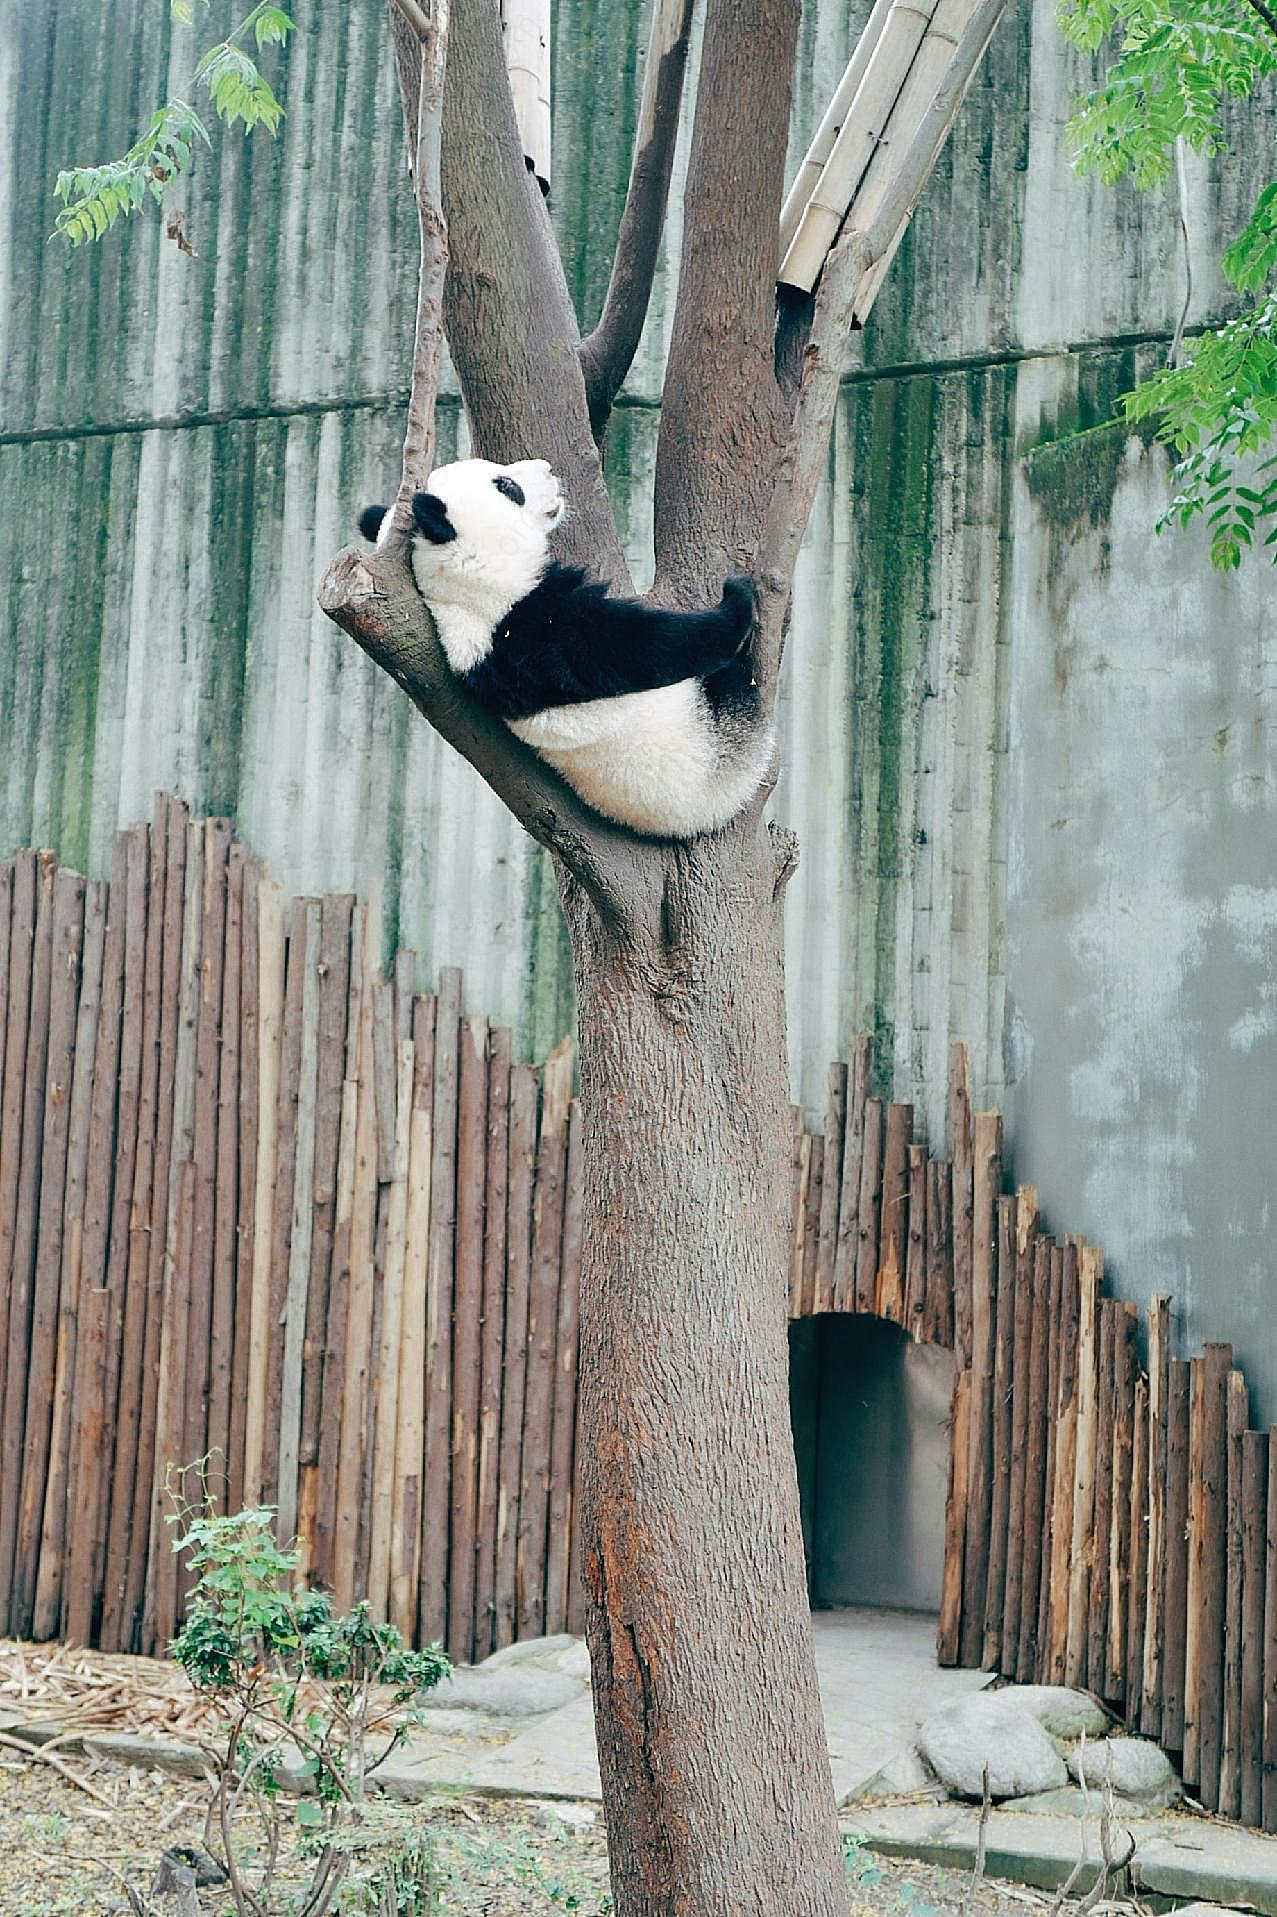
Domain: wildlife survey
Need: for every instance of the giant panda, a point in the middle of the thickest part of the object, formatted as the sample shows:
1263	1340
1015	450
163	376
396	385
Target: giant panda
651	716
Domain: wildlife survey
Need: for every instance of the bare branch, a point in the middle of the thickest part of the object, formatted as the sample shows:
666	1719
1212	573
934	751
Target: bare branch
421	75
608	353
862	247
722	412
510	324
374	599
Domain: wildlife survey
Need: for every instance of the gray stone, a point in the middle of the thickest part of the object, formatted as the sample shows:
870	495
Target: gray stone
147	1753
1136	1768
991	1731
544	1652
521	1690
904	1775
1065	1713
1068	1801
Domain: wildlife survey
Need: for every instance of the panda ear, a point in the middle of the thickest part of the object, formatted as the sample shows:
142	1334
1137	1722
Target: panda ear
432	518
370	521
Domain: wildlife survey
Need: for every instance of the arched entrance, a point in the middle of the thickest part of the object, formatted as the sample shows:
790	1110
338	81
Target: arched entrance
871	1413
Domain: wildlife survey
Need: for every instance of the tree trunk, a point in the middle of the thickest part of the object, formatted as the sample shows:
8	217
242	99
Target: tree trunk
715	1775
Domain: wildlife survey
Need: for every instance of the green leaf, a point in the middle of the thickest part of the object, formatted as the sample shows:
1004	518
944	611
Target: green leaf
310	1814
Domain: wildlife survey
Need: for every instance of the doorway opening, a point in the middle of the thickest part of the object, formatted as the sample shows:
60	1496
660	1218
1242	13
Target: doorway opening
870	1413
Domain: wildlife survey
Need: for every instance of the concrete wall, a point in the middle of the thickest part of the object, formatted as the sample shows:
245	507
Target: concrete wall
1029	748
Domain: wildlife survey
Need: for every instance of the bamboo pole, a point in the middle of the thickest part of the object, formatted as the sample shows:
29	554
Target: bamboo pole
563	1425
495	1198
889	1283
831	1157
1089	1278
999	1513
410	1441
868	1208
270	1015
1175	1581
1254	1519
986	1185
297	1252
472	1126
1237	1420
859	1074
1159	1329
391	1340
221	1350
523	1106
543	1304
436	1486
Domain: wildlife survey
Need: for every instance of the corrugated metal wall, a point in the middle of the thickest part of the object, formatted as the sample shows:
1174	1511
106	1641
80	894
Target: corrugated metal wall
183	445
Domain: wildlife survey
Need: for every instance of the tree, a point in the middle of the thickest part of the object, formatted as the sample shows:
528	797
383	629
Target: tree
715	1775
1177	63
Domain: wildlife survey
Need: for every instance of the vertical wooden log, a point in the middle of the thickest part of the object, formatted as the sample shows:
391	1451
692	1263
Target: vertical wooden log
16	1015
1207	1569
174	1143
800	1303
436	1487
467	1337
939	1316
334	983
869	1208
986	1183
109	1158
563	1430
381	1560
1268	1785
211	965
1065	1469
410	1442
298	998
271	965
543	1302
811	1298
169	1489
1088	1344
859	1074
1119	1541
148	1014
1098	1619
297	1250
1137	1586
360	1236
70	1403
1003	1360
949	1632
1021	1369
916	1261
831	1183
247	1130
1237	1418
28	1150
1054	1332
1034	1461
1159	1351
1175	1580
496	1183
523	1106
63	1003
221	1350
1254	1519
961	1153
893	1243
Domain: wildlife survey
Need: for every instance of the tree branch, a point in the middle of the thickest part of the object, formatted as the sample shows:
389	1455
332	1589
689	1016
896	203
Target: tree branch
859	250
374	599
608	353
509	319
723	417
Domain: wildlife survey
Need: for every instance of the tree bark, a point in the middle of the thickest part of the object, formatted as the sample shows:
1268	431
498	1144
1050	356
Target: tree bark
710	1733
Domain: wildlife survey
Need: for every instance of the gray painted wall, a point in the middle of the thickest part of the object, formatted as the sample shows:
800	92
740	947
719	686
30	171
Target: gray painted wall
1030	749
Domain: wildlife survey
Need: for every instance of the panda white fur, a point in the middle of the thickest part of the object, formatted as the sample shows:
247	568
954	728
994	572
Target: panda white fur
650	715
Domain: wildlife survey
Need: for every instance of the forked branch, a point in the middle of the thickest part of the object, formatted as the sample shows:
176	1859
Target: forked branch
375	598
608	353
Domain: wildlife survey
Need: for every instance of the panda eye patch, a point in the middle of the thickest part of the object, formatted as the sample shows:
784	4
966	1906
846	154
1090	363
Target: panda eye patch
511	488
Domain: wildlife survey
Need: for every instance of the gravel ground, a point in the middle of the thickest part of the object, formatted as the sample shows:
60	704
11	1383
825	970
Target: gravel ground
63	1854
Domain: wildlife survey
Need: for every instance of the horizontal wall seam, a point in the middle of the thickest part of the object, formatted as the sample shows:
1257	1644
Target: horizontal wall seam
378	402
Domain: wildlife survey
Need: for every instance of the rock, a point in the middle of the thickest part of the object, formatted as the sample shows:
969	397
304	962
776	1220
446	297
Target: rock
520	1690
903	1775
991	1729
1137	1768
1068	1801
1059	1710
540	1651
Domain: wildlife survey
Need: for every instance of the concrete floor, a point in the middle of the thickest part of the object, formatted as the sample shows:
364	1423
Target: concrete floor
878	1680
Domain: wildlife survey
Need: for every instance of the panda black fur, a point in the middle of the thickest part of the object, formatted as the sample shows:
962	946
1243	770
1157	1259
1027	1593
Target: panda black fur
651	715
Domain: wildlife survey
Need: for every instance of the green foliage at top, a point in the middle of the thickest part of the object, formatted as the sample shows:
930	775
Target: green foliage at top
1174	65
94	197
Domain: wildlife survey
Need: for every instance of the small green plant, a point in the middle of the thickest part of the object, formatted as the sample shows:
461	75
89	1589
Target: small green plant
859	1861
95	197
308	1697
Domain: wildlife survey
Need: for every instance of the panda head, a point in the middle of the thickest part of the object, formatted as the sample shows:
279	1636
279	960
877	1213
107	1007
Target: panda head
483	533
